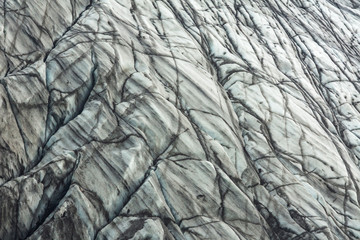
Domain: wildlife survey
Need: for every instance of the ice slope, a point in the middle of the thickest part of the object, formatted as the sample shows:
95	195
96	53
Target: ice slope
179	119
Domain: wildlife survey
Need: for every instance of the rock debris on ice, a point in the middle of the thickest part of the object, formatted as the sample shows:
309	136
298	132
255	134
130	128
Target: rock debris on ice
179	119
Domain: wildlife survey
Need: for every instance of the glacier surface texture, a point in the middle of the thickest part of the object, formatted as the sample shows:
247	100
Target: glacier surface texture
179	119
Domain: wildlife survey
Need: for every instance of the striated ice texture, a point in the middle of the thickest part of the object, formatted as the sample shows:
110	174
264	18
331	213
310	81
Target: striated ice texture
179	119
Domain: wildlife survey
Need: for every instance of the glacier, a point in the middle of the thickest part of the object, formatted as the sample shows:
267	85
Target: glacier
179	119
